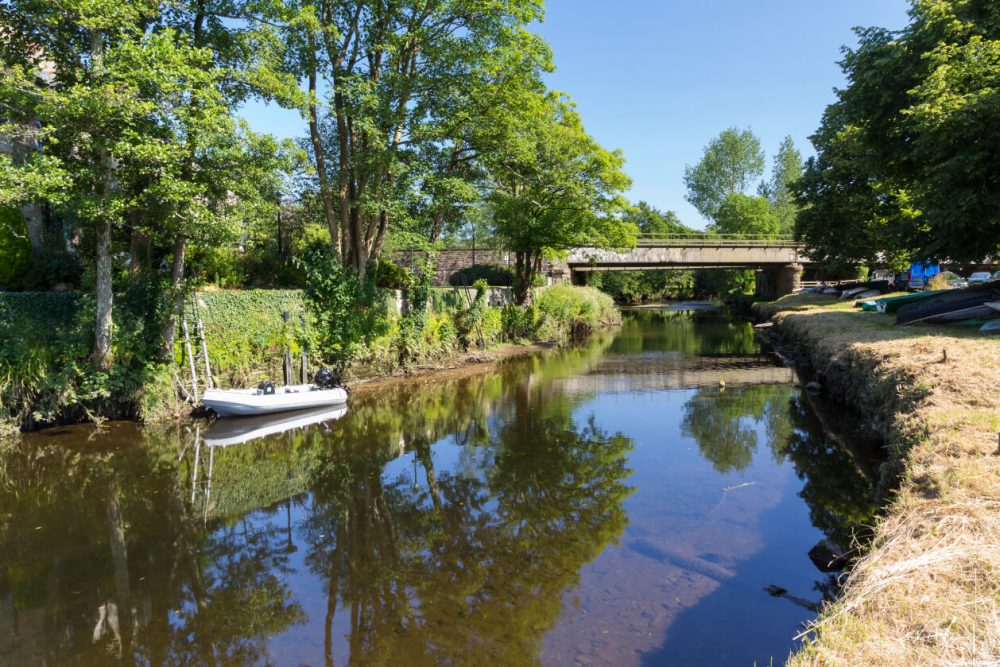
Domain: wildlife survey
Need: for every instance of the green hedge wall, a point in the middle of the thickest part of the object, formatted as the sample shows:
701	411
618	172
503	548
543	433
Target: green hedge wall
15	248
38	316
247	335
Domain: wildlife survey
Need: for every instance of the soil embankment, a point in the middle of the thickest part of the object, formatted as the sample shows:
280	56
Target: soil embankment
926	591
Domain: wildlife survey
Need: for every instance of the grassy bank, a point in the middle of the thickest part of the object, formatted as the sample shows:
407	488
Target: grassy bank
926	591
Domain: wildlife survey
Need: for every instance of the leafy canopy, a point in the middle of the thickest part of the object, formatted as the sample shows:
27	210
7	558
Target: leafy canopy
731	163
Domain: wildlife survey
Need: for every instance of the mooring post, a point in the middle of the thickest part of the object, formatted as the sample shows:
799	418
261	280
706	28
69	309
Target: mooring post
303	362
288	353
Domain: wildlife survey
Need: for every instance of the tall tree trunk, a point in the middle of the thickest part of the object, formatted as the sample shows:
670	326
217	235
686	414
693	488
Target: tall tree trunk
102	328
317	143
139	249
523	276
177	291
101	354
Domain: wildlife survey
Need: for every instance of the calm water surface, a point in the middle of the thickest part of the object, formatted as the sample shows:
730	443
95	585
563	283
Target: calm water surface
608	504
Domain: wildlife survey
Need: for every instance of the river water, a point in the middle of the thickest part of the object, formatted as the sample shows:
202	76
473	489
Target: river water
624	502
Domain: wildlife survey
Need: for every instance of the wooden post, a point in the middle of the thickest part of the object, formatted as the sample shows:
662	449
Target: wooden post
288	353
303	362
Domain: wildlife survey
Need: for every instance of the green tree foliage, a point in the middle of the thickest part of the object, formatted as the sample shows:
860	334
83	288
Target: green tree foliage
554	187
650	220
785	174
15	248
136	124
742	214
731	163
411	85
906	164
348	312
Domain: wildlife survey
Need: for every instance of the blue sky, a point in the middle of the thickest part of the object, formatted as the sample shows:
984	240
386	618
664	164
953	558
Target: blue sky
660	78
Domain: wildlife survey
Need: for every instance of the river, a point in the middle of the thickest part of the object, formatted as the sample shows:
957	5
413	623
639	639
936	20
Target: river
622	502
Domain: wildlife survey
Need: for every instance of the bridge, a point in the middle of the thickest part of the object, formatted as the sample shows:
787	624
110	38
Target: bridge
668	372
779	258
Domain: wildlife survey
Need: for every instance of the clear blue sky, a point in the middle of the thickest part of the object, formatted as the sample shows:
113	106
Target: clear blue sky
659	78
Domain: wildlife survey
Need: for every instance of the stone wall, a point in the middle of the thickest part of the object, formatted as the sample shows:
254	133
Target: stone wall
450	261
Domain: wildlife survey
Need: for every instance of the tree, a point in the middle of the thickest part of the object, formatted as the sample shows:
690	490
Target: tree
651	220
906	165
91	117
750	216
554	187
139	132
391	66
779	191
731	163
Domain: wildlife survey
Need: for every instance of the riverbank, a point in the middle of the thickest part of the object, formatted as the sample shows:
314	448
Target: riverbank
926	590
45	338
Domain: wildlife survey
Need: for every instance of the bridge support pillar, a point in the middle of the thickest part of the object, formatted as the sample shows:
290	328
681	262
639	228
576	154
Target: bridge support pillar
782	280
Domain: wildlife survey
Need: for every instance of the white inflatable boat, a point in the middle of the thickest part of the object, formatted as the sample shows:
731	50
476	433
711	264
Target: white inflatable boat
245	402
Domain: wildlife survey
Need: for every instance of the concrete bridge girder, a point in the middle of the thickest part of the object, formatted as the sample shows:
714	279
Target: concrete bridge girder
684	256
781	264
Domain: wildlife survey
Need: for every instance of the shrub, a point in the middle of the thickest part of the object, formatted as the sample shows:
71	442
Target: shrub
389	275
520	323
571	310
246	333
15	248
222	266
348	314
493	274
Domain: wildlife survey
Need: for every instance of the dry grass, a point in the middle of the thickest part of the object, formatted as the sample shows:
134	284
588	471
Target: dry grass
927	592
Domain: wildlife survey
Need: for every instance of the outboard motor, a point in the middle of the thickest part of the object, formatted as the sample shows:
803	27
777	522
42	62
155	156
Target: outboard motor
327	379
266	388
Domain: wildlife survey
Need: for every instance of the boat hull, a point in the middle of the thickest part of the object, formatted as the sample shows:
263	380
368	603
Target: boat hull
951	306
247	402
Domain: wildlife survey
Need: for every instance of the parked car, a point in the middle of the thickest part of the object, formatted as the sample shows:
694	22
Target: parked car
996	275
955	281
980	277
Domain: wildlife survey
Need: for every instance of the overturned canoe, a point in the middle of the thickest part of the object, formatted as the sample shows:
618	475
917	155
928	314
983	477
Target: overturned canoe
893	303
244	402
991	327
951	306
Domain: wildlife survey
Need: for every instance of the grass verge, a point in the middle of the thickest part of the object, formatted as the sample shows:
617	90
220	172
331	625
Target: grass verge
927	589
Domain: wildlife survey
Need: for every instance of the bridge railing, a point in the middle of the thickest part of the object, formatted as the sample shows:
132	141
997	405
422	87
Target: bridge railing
717	240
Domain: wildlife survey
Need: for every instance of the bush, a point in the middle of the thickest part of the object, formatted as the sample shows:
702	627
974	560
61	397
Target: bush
389	275
348	314
247	335
521	323
571	310
221	266
15	248
495	275
45	342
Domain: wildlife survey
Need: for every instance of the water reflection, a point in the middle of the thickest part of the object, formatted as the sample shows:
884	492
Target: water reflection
518	517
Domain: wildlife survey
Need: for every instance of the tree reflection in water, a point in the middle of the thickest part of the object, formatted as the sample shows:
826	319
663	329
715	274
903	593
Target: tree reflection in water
438	522
470	566
838	486
108	551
